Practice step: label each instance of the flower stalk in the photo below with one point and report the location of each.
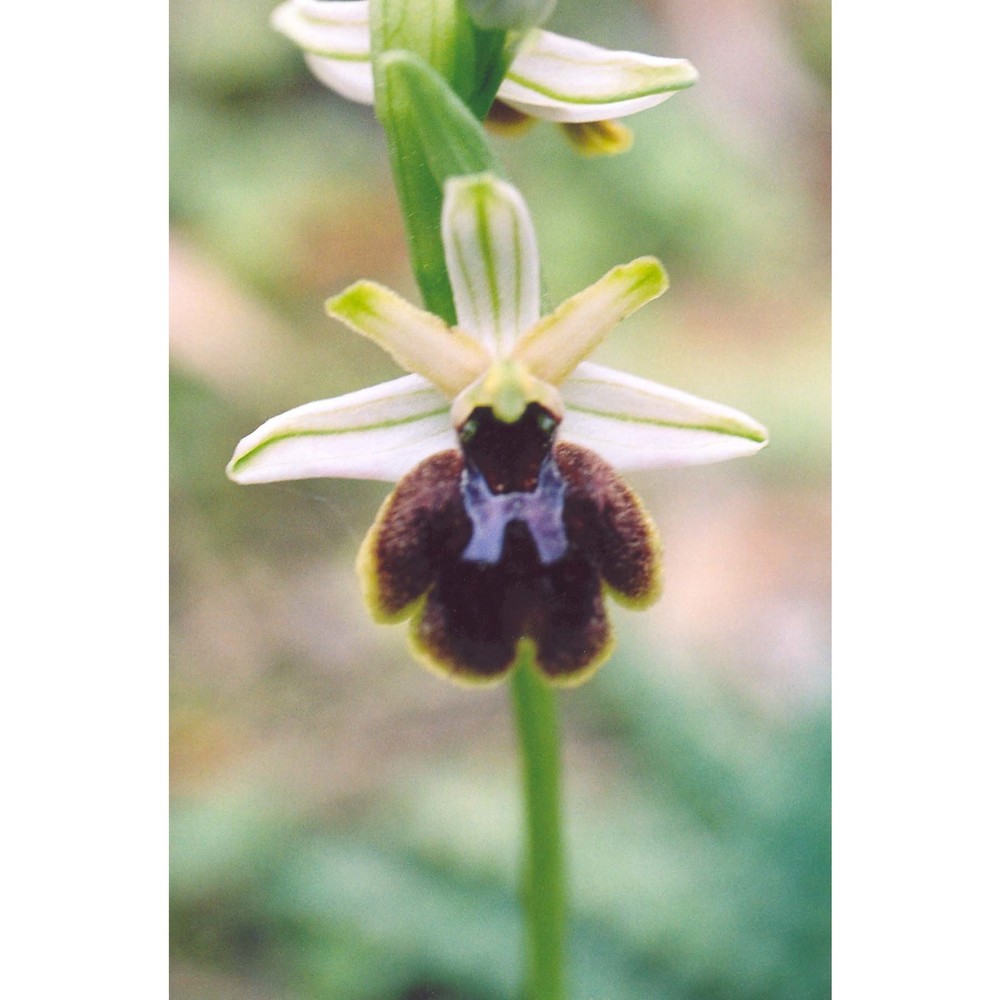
(543, 882)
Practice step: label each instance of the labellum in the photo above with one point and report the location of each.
(513, 539)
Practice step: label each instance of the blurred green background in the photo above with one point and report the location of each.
(344, 825)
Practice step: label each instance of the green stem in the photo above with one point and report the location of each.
(544, 885)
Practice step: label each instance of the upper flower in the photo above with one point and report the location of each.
(553, 77)
(514, 536)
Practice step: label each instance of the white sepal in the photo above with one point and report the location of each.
(563, 79)
(353, 80)
(376, 433)
(634, 423)
(326, 28)
(336, 40)
(492, 259)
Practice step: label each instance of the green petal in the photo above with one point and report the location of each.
(419, 341)
(634, 423)
(376, 433)
(556, 344)
(492, 259)
(565, 80)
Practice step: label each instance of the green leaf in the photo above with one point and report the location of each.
(432, 136)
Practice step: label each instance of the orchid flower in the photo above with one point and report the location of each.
(554, 78)
(509, 521)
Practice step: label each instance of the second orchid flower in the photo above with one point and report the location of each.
(580, 86)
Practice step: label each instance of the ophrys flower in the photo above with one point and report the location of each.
(509, 522)
(553, 77)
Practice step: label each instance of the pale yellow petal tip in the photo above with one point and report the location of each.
(600, 138)
(648, 276)
(417, 340)
(356, 301)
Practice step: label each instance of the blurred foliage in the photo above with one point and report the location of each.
(345, 826)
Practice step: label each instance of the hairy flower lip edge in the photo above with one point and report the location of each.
(394, 587)
(337, 53)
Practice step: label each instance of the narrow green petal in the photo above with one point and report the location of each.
(376, 433)
(557, 343)
(417, 340)
(634, 423)
(492, 259)
(566, 80)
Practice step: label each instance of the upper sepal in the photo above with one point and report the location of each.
(492, 258)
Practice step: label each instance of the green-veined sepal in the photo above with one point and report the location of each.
(376, 433)
(563, 79)
(492, 259)
(634, 423)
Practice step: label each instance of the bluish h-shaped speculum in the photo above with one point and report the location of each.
(541, 511)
